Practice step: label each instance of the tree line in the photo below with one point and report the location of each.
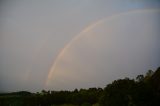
(144, 90)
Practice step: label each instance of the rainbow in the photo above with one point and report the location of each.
(90, 27)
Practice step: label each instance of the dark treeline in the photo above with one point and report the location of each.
(144, 90)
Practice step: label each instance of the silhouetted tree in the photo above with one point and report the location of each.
(144, 91)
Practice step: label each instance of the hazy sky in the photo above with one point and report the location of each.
(67, 44)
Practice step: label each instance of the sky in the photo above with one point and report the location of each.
(68, 44)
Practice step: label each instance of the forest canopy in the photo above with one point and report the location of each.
(144, 90)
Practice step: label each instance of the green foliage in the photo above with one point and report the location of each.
(126, 92)
(144, 91)
(118, 93)
(86, 104)
(140, 78)
(83, 97)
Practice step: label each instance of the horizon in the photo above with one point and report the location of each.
(64, 45)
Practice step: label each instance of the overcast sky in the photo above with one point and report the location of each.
(67, 44)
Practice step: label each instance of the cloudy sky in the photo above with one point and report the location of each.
(67, 44)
